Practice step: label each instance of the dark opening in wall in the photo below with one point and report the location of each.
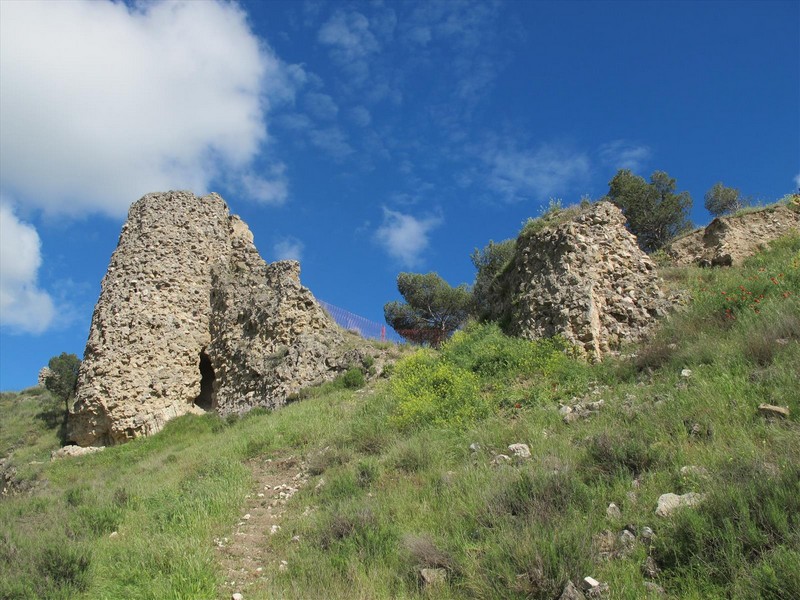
(205, 399)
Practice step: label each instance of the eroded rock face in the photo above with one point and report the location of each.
(585, 279)
(729, 240)
(190, 318)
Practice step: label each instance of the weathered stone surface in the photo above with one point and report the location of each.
(585, 279)
(729, 240)
(669, 503)
(190, 318)
(520, 450)
(770, 410)
(571, 593)
(69, 451)
(44, 373)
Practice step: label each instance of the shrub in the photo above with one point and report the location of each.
(353, 379)
(424, 553)
(610, 453)
(65, 566)
(431, 391)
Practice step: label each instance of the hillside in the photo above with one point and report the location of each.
(414, 487)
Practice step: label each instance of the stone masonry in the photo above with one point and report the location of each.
(584, 279)
(729, 240)
(190, 319)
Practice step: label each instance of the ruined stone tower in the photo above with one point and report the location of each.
(190, 319)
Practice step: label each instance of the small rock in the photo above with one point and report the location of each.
(295, 538)
(274, 529)
(113, 534)
(589, 583)
(283, 566)
(565, 410)
(604, 543)
(432, 577)
(571, 593)
(650, 568)
(686, 373)
(647, 534)
(520, 450)
(501, 459)
(571, 418)
(654, 589)
(669, 503)
(613, 511)
(246, 517)
(691, 470)
(474, 447)
(237, 596)
(70, 451)
(627, 538)
(770, 410)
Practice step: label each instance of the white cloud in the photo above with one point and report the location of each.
(332, 141)
(534, 174)
(350, 42)
(273, 189)
(797, 182)
(288, 248)
(102, 102)
(294, 121)
(23, 306)
(321, 106)
(360, 116)
(404, 236)
(623, 154)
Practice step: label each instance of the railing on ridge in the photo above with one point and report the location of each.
(364, 327)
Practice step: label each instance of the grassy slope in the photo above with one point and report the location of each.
(401, 492)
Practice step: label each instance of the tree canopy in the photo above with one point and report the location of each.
(432, 310)
(655, 213)
(721, 200)
(489, 262)
(63, 376)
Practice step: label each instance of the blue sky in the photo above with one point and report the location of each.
(364, 138)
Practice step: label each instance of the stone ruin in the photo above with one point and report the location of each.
(728, 241)
(191, 319)
(585, 279)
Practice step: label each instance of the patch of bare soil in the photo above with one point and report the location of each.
(245, 556)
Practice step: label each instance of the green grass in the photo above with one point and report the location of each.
(401, 494)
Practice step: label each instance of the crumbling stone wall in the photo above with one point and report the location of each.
(729, 240)
(584, 279)
(187, 286)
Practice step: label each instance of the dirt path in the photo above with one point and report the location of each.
(244, 555)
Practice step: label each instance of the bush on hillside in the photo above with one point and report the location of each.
(430, 391)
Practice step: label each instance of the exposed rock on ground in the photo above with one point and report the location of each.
(70, 451)
(729, 240)
(585, 279)
(190, 318)
(669, 503)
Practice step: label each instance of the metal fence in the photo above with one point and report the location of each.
(364, 327)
